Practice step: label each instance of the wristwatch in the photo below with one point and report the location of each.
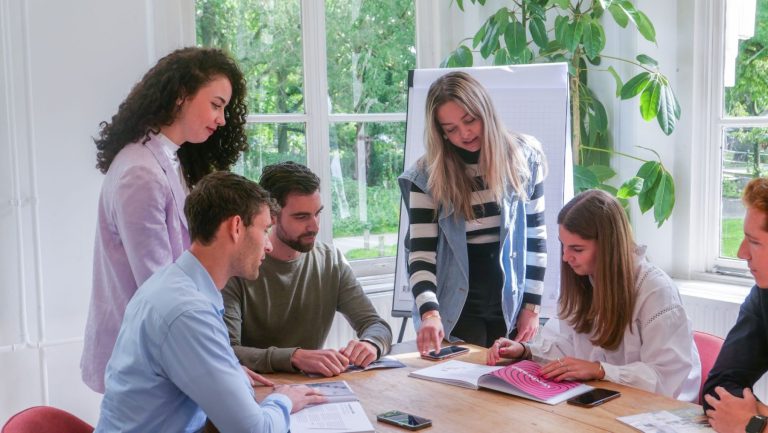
(756, 424)
(532, 307)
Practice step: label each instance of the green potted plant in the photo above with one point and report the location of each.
(571, 31)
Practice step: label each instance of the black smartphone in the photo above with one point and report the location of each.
(446, 352)
(404, 420)
(594, 398)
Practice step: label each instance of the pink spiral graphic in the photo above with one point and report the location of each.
(525, 376)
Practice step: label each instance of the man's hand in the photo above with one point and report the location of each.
(255, 378)
(300, 395)
(360, 353)
(327, 362)
(730, 414)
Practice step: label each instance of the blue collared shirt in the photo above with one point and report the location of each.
(172, 364)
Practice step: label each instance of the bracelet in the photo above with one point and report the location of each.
(526, 351)
(430, 314)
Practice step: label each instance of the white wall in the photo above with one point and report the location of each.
(64, 67)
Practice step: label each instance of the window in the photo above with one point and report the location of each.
(327, 87)
(739, 126)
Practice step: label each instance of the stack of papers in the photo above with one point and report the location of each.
(342, 413)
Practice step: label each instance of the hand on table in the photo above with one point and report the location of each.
(568, 368)
(300, 395)
(360, 353)
(255, 378)
(327, 362)
(730, 413)
(503, 348)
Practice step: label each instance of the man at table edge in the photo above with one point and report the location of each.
(728, 399)
(279, 321)
(172, 365)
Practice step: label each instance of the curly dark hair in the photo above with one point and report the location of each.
(152, 104)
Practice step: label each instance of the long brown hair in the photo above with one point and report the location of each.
(502, 162)
(604, 305)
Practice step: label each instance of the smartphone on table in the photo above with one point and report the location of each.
(594, 397)
(404, 420)
(445, 353)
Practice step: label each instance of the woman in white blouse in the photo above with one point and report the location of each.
(620, 317)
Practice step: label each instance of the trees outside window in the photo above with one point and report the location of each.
(340, 108)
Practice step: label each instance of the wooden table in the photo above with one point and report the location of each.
(461, 410)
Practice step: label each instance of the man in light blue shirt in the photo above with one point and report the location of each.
(172, 365)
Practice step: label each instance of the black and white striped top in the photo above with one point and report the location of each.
(422, 266)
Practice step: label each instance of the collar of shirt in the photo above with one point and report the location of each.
(195, 270)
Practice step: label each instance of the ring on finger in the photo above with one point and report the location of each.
(560, 361)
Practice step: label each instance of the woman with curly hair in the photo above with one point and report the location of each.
(183, 120)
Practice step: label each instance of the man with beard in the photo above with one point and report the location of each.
(279, 321)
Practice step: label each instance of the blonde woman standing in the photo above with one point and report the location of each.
(477, 239)
(620, 317)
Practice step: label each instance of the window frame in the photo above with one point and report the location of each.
(709, 130)
(318, 120)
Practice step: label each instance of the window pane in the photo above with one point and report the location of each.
(744, 158)
(271, 143)
(264, 36)
(746, 59)
(370, 50)
(366, 159)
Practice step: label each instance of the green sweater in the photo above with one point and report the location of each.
(291, 305)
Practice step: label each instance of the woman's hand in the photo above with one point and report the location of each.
(527, 325)
(567, 368)
(503, 348)
(430, 335)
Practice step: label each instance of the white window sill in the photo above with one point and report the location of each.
(716, 287)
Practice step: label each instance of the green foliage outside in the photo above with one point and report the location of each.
(546, 31)
(371, 253)
(730, 236)
(370, 48)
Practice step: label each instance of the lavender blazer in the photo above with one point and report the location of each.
(141, 228)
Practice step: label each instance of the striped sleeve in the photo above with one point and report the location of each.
(536, 241)
(422, 256)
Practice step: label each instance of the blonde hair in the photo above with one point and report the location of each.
(604, 305)
(502, 162)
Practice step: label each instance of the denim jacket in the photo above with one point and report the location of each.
(452, 262)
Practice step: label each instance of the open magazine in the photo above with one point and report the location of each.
(688, 420)
(521, 379)
(341, 413)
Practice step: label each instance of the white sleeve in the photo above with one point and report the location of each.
(666, 355)
(555, 340)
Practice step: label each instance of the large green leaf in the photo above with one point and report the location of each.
(583, 178)
(480, 35)
(664, 201)
(647, 60)
(460, 4)
(669, 109)
(561, 27)
(619, 15)
(515, 38)
(501, 57)
(573, 34)
(502, 20)
(635, 85)
(602, 172)
(610, 189)
(630, 188)
(538, 32)
(491, 40)
(650, 173)
(461, 57)
(644, 25)
(536, 11)
(649, 100)
(599, 116)
(616, 78)
(563, 4)
(594, 39)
